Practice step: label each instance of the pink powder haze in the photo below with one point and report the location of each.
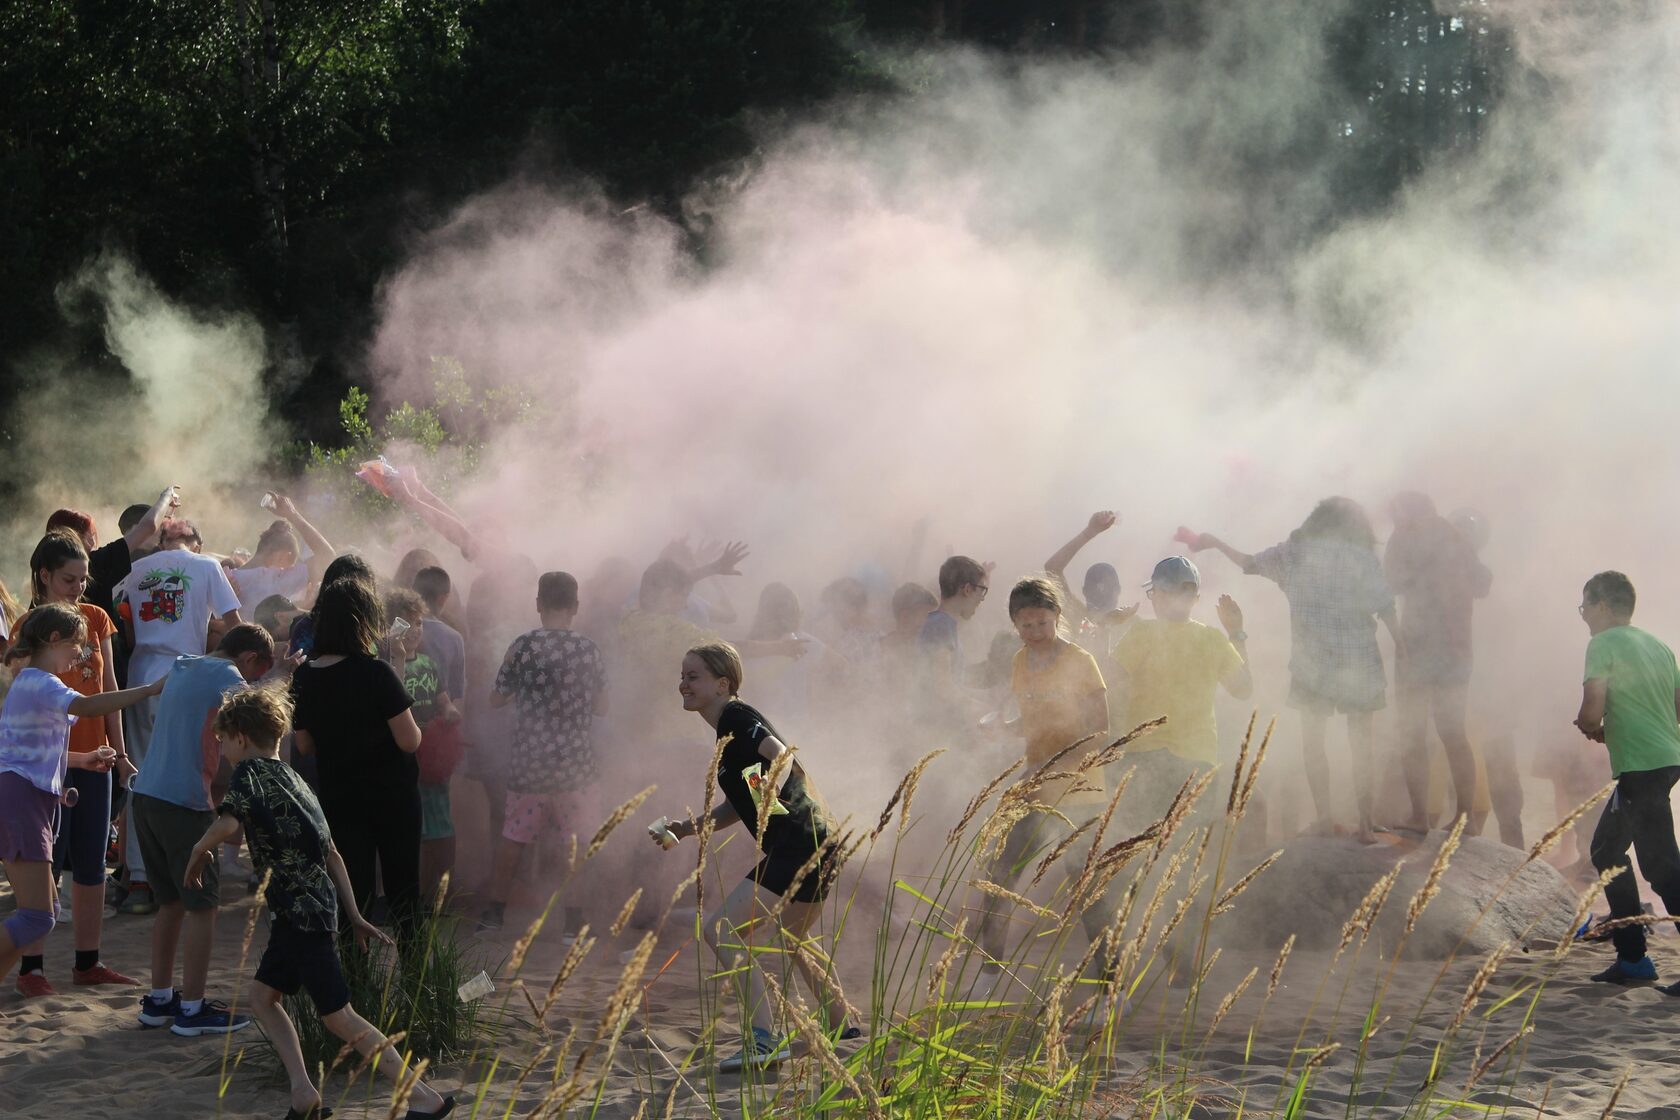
(1002, 303)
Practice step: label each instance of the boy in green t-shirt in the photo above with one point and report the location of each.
(1630, 698)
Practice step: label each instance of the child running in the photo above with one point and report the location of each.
(1062, 698)
(35, 752)
(287, 834)
(1329, 571)
(1630, 698)
(557, 681)
(792, 829)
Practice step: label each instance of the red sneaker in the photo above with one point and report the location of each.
(34, 984)
(99, 974)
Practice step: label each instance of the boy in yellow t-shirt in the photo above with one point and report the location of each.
(1170, 666)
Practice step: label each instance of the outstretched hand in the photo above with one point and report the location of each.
(729, 560)
(1230, 614)
(1102, 521)
(367, 933)
(1194, 541)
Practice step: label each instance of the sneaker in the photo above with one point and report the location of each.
(1641, 971)
(761, 1051)
(154, 1013)
(212, 1018)
(138, 902)
(32, 984)
(99, 974)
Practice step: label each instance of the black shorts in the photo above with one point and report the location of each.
(84, 829)
(304, 959)
(776, 871)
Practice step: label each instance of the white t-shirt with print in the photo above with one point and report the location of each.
(172, 596)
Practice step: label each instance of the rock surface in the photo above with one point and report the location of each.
(1319, 882)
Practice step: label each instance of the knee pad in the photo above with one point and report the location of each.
(25, 927)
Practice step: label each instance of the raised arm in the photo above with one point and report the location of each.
(147, 527)
(1239, 682)
(434, 511)
(321, 551)
(1101, 522)
(1205, 541)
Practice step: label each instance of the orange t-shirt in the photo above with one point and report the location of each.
(88, 678)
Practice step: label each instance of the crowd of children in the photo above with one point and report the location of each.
(167, 704)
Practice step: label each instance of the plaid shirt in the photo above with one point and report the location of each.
(1335, 591)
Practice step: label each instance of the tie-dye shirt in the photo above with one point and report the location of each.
(35, 729)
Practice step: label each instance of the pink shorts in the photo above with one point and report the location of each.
(530, 815)
(26, 820)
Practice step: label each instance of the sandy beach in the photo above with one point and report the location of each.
(81, 1053)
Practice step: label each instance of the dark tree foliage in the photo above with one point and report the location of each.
(274, 155)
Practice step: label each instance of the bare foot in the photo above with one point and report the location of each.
(1322, 827)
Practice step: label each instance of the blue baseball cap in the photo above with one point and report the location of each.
(1174, 572)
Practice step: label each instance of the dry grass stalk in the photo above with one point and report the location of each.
(1159, 898)
(980, 799)
(1549, 841)
(704, 823)
(942, 966)
(442, 894)
(535, 1012)
(1231, 999)
(1242, 759)
(1207, 969)
(1254, 770)
(405, 1089)
(1058, 851)
(1188, 794)
(1616, 1095)
(542, 1056)
(834, 852)
(1432, 883)
(1320, 1056)
(1241, 885)
(617, 817)
(516, 960)
(905, 792)
(1277, 966)
(1055, 1042)
(620, 1003)
(568, 965)
(770, 793)
(986, 886)
(1111, 753)
(624, 913)
(1365, 914)
(1478, 982)
(1583, 907)
(823, 1047)
(1180, 910)
(1492, 1059)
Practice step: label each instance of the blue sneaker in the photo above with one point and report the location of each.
(1641, 971)
(212, 1018)
(761, 1052)
(154, 1013)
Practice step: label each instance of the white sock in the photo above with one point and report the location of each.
(162, 995)
(191, 1006)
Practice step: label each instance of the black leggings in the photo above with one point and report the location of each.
(1639, 817)
(84, 829)
(377, 831)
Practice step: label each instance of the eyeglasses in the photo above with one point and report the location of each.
(983, 588)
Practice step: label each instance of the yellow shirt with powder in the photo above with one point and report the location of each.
(1172, 669)
(1053, 701)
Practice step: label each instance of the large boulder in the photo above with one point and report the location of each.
(1488, 895)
